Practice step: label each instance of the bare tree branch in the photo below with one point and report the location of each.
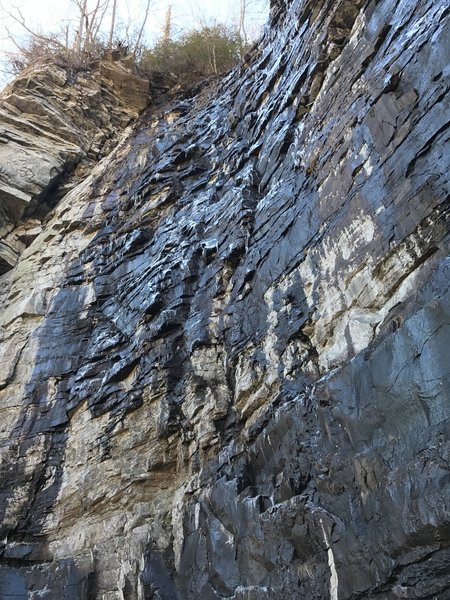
(141, 31)
(113, 24)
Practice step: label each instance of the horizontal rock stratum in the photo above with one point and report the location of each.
(224, 346)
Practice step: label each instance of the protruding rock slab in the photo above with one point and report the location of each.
(131, 89)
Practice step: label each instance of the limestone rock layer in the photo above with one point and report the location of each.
(224, 358)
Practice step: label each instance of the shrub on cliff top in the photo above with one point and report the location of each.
(50, 49)
(208, 51)
(201, 53)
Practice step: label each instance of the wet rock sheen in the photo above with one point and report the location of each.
(224, 345)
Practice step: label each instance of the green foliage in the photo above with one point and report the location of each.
(200, 53)
(95, 33)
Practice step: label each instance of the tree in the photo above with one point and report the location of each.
(248, 10)
(167, 32)
(96, 26)
(242, 26)
(141, 30)
(113, 24)
(93, 30)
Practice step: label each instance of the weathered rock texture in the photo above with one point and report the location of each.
(53, 125)
(225, 361)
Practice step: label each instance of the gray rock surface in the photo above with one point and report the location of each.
(224, 357)
(54, 125)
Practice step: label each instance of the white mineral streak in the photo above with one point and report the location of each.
(270, 341)
(353, 304)
(334, 576)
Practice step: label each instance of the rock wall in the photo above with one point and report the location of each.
(55, 126)
(225, 360)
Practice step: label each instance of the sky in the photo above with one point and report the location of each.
(45, 16)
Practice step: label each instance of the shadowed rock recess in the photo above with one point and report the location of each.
(224, 360)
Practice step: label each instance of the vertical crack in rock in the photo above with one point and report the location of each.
(334, 581)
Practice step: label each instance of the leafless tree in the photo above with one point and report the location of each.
(141, 30)
(113, 24)
(167, 31)
(243, 4)
(90, 23)
(247, 9)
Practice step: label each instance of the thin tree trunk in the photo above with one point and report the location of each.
(96, 31)
(214, 58)
(242, 30)
(141, 31)
(113, 24)
(79, 40)
(92, 25)
(167, 26)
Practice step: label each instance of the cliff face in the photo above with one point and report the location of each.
(225, 362)
(55, 126)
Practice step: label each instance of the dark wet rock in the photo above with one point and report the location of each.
(225, 367)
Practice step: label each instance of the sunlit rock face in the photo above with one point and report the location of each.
(224, 357)
(55, 124)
